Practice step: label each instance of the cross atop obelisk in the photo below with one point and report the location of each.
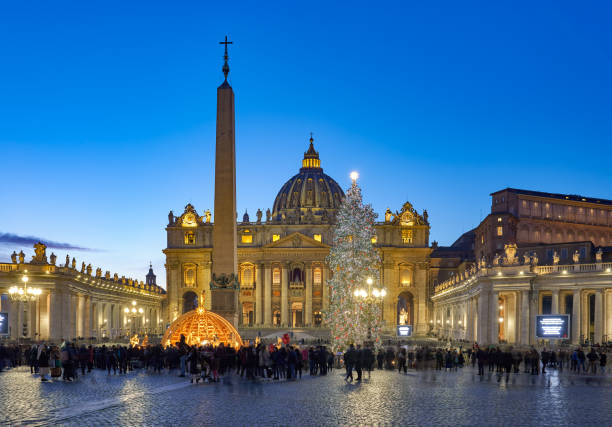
(225, 58)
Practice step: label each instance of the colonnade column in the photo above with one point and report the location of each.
(308, 297)
(576, 305)
(285, 295)
(494, 318)
(555, 301)
(525, 317)
(325, 288)
(258, 294)
(483, 318)
(598, 316)
(267, 295)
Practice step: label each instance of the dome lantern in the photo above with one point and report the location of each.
(311, 196)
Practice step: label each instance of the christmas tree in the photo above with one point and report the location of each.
(352, 261)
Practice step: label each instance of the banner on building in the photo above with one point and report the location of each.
(404, 330)
(552, 326)
(4, 324)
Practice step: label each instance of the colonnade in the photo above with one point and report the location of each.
(56, 315)
(494, 316)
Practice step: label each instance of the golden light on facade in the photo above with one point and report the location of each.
(201, 326)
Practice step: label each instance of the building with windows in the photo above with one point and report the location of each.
(531, 217)
(45, 301)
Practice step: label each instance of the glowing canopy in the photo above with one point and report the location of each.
(202, 327)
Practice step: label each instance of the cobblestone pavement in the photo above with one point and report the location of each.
(418, 398)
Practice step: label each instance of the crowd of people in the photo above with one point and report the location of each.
(277, 361)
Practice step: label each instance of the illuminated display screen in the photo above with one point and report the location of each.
(404, 330)
(4, 324)
(554, 326)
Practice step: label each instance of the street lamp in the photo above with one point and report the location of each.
(133, 313)
(370, 296)
(24, 293)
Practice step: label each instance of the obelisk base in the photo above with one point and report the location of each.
(224, 302)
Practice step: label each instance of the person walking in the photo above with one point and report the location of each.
(349, 360)
(593, 358)
(603, 359)
(43, 361)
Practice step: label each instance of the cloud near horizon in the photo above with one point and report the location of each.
(14, 239)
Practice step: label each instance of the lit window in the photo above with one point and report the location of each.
(247, 238)
(407, 236)
(499, 219)
(316, 276)
(247, 275)
(275, 237)
(482, 239)
(276, 273)
(500, 231)
(317, 237)
(190, 275)
(189, 238)
(374, 240)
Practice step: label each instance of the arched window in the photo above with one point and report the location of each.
(276, 319)
(190, 301)
(189, 275)
(247, 274)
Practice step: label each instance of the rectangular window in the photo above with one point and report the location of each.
(317, 237)
(316, 276)
(189, 238)
(276, 279)
(275, 237)
(500, 231)
(406, 236)
(247, 238)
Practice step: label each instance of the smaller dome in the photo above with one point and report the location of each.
(202, 327)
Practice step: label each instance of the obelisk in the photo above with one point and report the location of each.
(224, 284)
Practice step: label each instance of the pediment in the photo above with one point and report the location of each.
(296, 241)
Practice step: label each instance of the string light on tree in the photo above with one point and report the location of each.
(353, 261)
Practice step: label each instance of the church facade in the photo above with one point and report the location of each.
(282, 271)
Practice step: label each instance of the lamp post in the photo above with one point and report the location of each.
(23, 294)
(132, 314)
(370, 296)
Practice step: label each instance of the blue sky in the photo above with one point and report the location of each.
(107, 110)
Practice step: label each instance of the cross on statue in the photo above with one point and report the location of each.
(225, 58)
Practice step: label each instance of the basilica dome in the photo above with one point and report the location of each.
(309, 193)
(202, 327)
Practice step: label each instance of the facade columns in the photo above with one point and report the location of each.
(285, 295)
(483, 318)
(325, 288)
(267, 295)
(534, 309)
(494, 318)
(598, 316)
(258, 294)
(308, 297)
(555, 301)
(525, 318)
(576, 316)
